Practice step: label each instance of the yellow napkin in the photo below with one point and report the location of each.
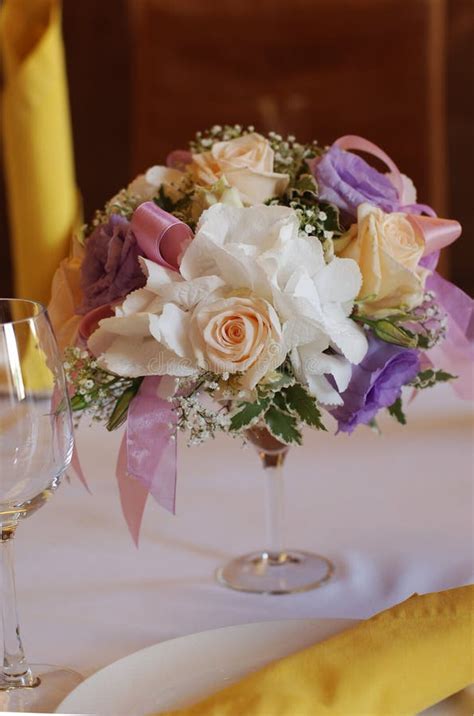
(397, 663)
(42, 196)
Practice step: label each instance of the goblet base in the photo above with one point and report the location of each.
(276, 573)
(51, 686)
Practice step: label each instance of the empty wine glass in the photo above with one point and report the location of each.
(36, 442)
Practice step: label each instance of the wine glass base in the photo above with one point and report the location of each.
(284, 573)
(53, 685)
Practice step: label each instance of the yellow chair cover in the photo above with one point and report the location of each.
(39, 167)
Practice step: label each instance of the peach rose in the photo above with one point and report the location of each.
(237, 335)
(246, 163)
(388, 249)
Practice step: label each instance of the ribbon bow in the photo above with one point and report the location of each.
(161, 236)
(437, 233)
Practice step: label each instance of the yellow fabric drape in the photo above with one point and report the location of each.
(39, 166)
(395, 664)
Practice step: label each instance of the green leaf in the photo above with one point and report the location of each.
(163, 200)
(282, 426)
(78, 402)
(279, 400)
(304, 406)
(306, 184)
(332, 223)
(119, 413)
(396, 411)
(247, 414)
(276, 382)
(390, 333)
(428, 378)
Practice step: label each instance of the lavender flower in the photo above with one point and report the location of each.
(375, 383)
(346, 180)
(110, 269)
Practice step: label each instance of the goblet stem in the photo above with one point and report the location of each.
(274, 507)
(16, 672)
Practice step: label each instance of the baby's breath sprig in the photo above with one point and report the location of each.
(94, 390)
(200, 421)
(124, 203)
(204, 140)
(429, 321)
(291, 157)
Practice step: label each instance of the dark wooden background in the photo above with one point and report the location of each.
(145, 74)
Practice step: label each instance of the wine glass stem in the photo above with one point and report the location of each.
(274, 509)
(16, 671)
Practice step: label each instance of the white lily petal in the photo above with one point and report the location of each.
(339, 281)
(171, 329)
(188, 293)
(345, 333)
(299, 331)
(135, 325)
(140, 301)
(157, 276)
(323, 391)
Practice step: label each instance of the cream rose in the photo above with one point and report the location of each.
(246, 163)
(388, 249)
(237, 335)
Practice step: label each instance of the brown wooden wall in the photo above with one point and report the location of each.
(145, 74)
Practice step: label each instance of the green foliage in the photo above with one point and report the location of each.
(304, 188)
(304, 405)
(428, 378)
(332, 222)
(182, 208)
(247, 414)
(387, 330)
(282, 426)
(120, 411)
(396, 411)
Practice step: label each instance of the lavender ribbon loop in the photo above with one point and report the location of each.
(456, 353)
(354, 142)
(161, 236)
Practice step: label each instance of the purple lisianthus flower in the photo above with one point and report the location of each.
(346, 180)
(375, 383)
(110, 269)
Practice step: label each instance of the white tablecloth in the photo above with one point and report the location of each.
(394, 513)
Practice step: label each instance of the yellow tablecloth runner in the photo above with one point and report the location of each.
(397, 663)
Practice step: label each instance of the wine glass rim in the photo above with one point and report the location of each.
(41, 310)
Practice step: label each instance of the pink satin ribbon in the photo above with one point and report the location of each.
(438, 233)
(77, 467)
(133, 495)
(147, 458)
(161, 236)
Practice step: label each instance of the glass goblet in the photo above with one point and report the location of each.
(274, 569)
(36, 442)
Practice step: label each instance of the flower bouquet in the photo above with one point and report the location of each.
(251, 286)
